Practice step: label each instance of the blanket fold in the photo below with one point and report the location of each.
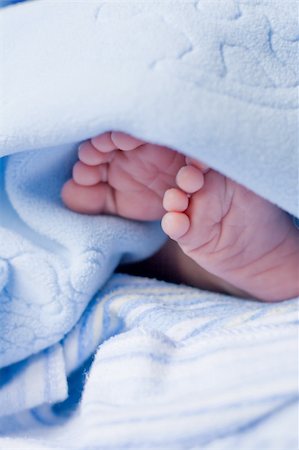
(54, 260)
(172, 374)
(216, 80)
(206, 78)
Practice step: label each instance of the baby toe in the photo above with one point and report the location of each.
(84, 199)
(175, 224)
(124, 141)
(103, 142)
(190, 179)
(89, 155)
(87, 175)
(175, 200)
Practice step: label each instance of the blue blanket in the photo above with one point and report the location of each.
(177, 367)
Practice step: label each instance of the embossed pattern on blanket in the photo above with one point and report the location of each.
(222, 51)
(207, 77)
(217, 80)
(53, 261)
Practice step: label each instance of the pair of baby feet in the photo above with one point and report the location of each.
(225, 228)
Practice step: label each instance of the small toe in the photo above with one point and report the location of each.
(190, 179)
(88, 175)
(124, 141)
(175, 224)
(103, 142)
(89, 155)
(175, 200)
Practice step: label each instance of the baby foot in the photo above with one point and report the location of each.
(233, 233)
(121, 175)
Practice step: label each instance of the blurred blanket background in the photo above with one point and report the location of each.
(89, 359)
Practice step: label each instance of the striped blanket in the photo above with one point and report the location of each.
(177, 368)
(90, 359)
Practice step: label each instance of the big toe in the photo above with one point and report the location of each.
(84, 199)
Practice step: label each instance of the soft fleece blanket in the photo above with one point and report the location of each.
(215, 79)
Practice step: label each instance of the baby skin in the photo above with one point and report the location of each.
(248, 244)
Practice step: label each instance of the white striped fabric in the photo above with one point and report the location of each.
(176, 368)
